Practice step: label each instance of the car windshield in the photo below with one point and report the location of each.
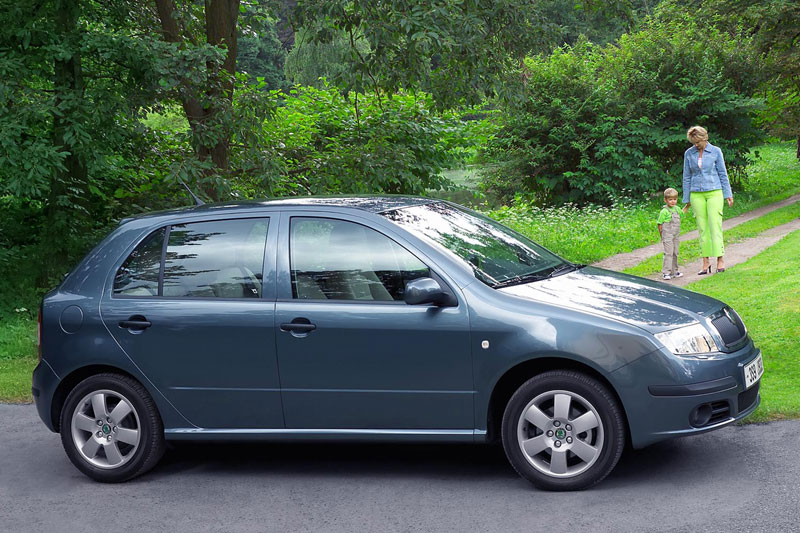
(497, 255)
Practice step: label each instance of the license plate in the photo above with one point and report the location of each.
(753, 372)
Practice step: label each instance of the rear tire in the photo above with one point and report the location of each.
(563, 430)
(111, 429)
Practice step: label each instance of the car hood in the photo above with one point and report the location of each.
(648, 304)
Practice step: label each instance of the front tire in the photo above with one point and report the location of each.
(563, 430)
(111, 429)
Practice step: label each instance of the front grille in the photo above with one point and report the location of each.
(748, 397)
(719, 411)
(730, 327)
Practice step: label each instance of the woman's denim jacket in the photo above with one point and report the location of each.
(711, 177)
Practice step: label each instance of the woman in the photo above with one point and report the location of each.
(705, 185)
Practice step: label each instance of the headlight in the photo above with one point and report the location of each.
(689, 340)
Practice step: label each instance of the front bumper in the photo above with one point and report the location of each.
(660, 392)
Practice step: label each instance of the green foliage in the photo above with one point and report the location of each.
(78, 75)
(453, 49)
(596, 122)
(323, 143)
(598, 22)
(310, 63)
(773, 27)
(261, 55)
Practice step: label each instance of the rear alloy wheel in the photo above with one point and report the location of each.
(111, 429)
(563, 430)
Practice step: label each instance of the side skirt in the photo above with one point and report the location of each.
(387, 435)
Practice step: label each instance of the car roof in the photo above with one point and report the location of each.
(370, 203)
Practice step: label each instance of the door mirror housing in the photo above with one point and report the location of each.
(427, 291)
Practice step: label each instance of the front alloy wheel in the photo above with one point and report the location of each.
(563, 430)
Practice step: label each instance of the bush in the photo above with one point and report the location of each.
(596, 122)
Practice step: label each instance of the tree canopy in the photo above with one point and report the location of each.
(105, 106)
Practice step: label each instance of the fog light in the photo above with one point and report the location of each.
(700, 415)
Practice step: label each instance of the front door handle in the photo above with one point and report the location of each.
(299, 325)
(136, 323)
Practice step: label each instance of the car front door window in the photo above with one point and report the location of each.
(341, 260)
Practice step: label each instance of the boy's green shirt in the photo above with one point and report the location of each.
(665, 215)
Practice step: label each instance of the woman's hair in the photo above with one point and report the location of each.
(670, 193)
(697, 133)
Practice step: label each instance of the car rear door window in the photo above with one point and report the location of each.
(340, 260)
(216, 259)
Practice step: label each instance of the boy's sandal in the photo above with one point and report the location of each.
(705, 271)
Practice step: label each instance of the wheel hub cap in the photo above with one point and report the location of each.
(106, 430)
(560, 433)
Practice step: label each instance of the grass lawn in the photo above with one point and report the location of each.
(690, 249)
(765, 291)
(17, 357)
(590, 233)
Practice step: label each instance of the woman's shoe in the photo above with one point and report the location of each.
(721, 269)
(705, 271)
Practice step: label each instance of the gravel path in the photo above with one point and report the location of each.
(620, 262)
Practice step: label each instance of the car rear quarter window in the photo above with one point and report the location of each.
(216, 259)
(340, 260)
(138, 275)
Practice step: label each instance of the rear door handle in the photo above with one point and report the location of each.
(299, 325)
(298, 328)
(136, 322)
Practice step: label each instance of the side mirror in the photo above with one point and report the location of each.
(427, 291)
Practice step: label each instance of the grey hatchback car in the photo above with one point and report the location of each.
(375, 318)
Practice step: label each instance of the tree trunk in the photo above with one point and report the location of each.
(798, 147)
(68, 89)
(221, 17)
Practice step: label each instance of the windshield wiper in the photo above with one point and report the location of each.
(562, 269)
(519, 280)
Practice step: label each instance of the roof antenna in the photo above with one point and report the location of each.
(197, 201)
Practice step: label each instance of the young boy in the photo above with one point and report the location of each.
(669, 227)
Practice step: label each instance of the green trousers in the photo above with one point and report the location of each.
(707, 207)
